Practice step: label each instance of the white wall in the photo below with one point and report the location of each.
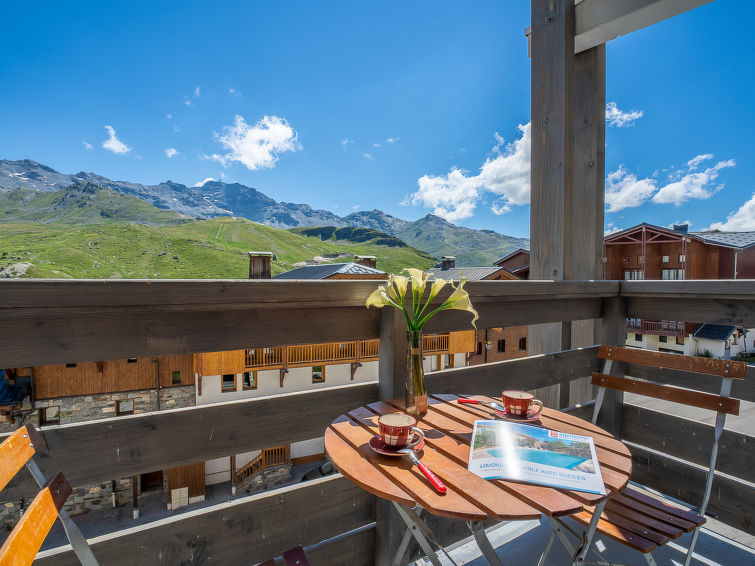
(217, 471)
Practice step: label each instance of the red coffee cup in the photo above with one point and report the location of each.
(398, 430)
(518, 403)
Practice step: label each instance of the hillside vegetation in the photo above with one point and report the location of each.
(203, 249)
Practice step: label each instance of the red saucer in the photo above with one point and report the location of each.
(531, 416)
(379, 446)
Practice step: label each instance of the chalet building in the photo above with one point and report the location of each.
(490, 344)
(517, 262)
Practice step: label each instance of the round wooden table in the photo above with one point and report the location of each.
(448, 431)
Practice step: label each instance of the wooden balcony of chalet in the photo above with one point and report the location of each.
(662, 327)
(48, 322)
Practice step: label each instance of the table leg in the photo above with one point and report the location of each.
(484, 543)
(579, 556)
(422, 534)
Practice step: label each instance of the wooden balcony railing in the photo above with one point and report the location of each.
(268, 458)
(48, 322)
(435, 343)
(662, 327)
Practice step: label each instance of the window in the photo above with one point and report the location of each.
(318, 374)
(663, 339)
(49, 415)
(638, 337)
(434, 363)
(479, 348)
(249, 380)
(229, 382)
(523, 343)
(125, 407)
(682, 258)
(176, 377)
(70, 365)
(131, 360)
(502, 345)
(633, 274)
(448, 361)
(680, 340)
(672, 274)
(665, 259)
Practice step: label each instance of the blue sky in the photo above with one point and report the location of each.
(409, 107)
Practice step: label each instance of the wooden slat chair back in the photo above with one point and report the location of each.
(633, 518)
(26, 538)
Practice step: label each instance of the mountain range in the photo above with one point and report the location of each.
(431, 233)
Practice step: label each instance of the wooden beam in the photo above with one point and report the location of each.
(524, 373)
(27, 537)
(247, 530)
(741, 388)
(134, 444)
(713, 311)
(15, 451)
(599, 21)
(689, 440)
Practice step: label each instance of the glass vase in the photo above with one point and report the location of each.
(416, 394)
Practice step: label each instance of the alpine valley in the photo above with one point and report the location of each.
(43, 201)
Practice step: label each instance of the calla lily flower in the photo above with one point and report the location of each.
(393, 293)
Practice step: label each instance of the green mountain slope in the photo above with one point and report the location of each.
(214, 248)
(81, 203)
(471, 247)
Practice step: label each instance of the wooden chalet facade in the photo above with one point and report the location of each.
(652, 252)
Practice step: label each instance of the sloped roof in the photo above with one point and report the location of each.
(715, 331)
(512, 254)
(733, 239)
(327, 270)
(471, 273)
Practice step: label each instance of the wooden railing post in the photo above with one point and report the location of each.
(392, 371)
(614, 333)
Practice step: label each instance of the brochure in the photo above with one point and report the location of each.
(513, 451)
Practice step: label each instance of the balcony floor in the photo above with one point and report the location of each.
(712, 550)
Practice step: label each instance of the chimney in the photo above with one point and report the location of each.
(366, 260)
(448, 262)
(681, 228)
(259, 265)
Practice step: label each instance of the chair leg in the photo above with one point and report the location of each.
(691, 548)
(649, 559)
(547, 550)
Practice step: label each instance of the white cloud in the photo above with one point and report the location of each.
(169, 116)
(196, 91)
(171, 152)
(356, 207)
(611, 229)
(257, 146)
(619, 118)
(114, 144)
(376, 145)
(625, 190)
(234, 91)
(694, 163)
(741, 220)
(345, 143)
(187, 102)
(202, 182)
(369, 156)
(88, 146)
(693, 184)
(507, 176)
(392, 140)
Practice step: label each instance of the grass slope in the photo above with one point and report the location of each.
(83, 203)
(214, 248)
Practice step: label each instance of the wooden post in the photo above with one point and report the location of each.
(567, 172)
(392, 371)
(614, 334)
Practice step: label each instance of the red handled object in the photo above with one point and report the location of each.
(469, 401)
(435, 480)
